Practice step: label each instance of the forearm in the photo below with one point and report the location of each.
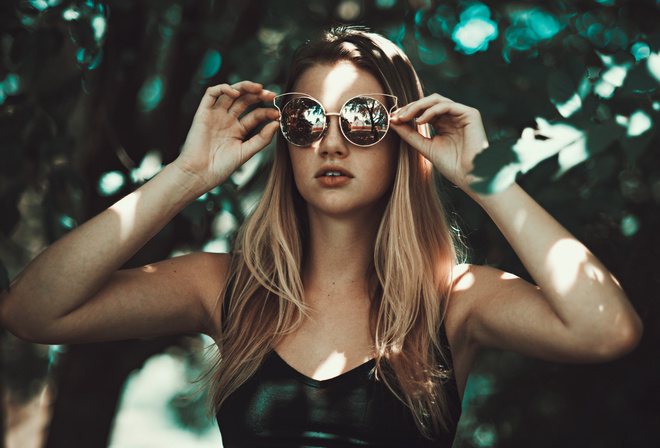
(75, 267)
(581, 291)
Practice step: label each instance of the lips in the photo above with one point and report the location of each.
(333, 171)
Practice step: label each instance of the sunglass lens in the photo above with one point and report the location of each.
(303, 121)
(364, 121)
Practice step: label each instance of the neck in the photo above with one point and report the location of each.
(339, 251)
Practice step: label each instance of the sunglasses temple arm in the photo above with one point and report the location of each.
(396, 104)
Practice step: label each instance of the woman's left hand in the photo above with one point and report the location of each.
(460, 135)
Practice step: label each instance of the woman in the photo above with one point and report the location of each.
(342, 317)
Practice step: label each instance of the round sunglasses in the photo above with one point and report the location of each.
(363, 120)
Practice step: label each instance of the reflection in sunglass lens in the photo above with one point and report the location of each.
(364, 121)
(303, 121)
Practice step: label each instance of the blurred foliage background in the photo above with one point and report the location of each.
(96, 96)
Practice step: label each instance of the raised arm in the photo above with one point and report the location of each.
(577, 313)
(73, 291)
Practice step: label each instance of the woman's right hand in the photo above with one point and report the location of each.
(215, 146)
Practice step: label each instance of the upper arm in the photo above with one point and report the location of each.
(501, 310)
(174, 296)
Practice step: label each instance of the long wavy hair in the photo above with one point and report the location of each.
(410, 279)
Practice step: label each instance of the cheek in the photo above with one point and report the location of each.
(298, 165)
(390, 161)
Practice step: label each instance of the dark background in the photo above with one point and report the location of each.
(89, 88)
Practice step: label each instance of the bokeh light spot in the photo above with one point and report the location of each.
(11, 84)
(544, 25)
(473, 36)
(431, 51)
(99, 25)
(629, 225)
(110, 183)
(67, 222)
(474, 10)
(42, 5)
(604, 89)
(218, 245)
(150, 166)
(224, 224)
(570, 107)
(89, 58)
(653, 62)
(485, 435)
(640, 50)
(475, 29)
(151, 93)
(70, 14)
(349, 10)
(385, 4)
(211, 64)
(639, 123)
(442, 23)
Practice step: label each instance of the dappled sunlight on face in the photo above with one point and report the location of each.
(334, 87)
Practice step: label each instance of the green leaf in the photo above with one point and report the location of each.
(498, 155)
(635, 146)
(601, 136)
(561, 87)
(639, 81)
(496, 167)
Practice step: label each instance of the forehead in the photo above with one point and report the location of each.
(334, 84)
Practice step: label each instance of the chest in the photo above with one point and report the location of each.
(329, 342)
(279, 406)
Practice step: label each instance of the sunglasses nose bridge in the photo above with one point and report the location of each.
(333, 140)
(327, 121)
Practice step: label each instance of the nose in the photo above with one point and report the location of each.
(333, 142)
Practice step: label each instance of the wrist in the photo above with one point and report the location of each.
(488, 201)
(190, 182)
(187, 184)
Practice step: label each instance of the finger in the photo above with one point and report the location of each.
(244, 101)
(261, 140)
(225, 94)
(214, 93)
(258, 116)
(412, 137)
(248, 86)
(448, 108)
(414, 109)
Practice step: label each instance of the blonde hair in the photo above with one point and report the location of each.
(414, 256)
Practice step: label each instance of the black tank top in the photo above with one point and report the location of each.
(280, 407)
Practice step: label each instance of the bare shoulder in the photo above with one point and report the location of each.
(479, 290)
(209, 271)
(475, 284)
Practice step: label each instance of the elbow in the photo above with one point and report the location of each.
(622, 339)
(631, 335)
(20, 322)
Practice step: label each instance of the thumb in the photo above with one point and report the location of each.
(261, 140)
